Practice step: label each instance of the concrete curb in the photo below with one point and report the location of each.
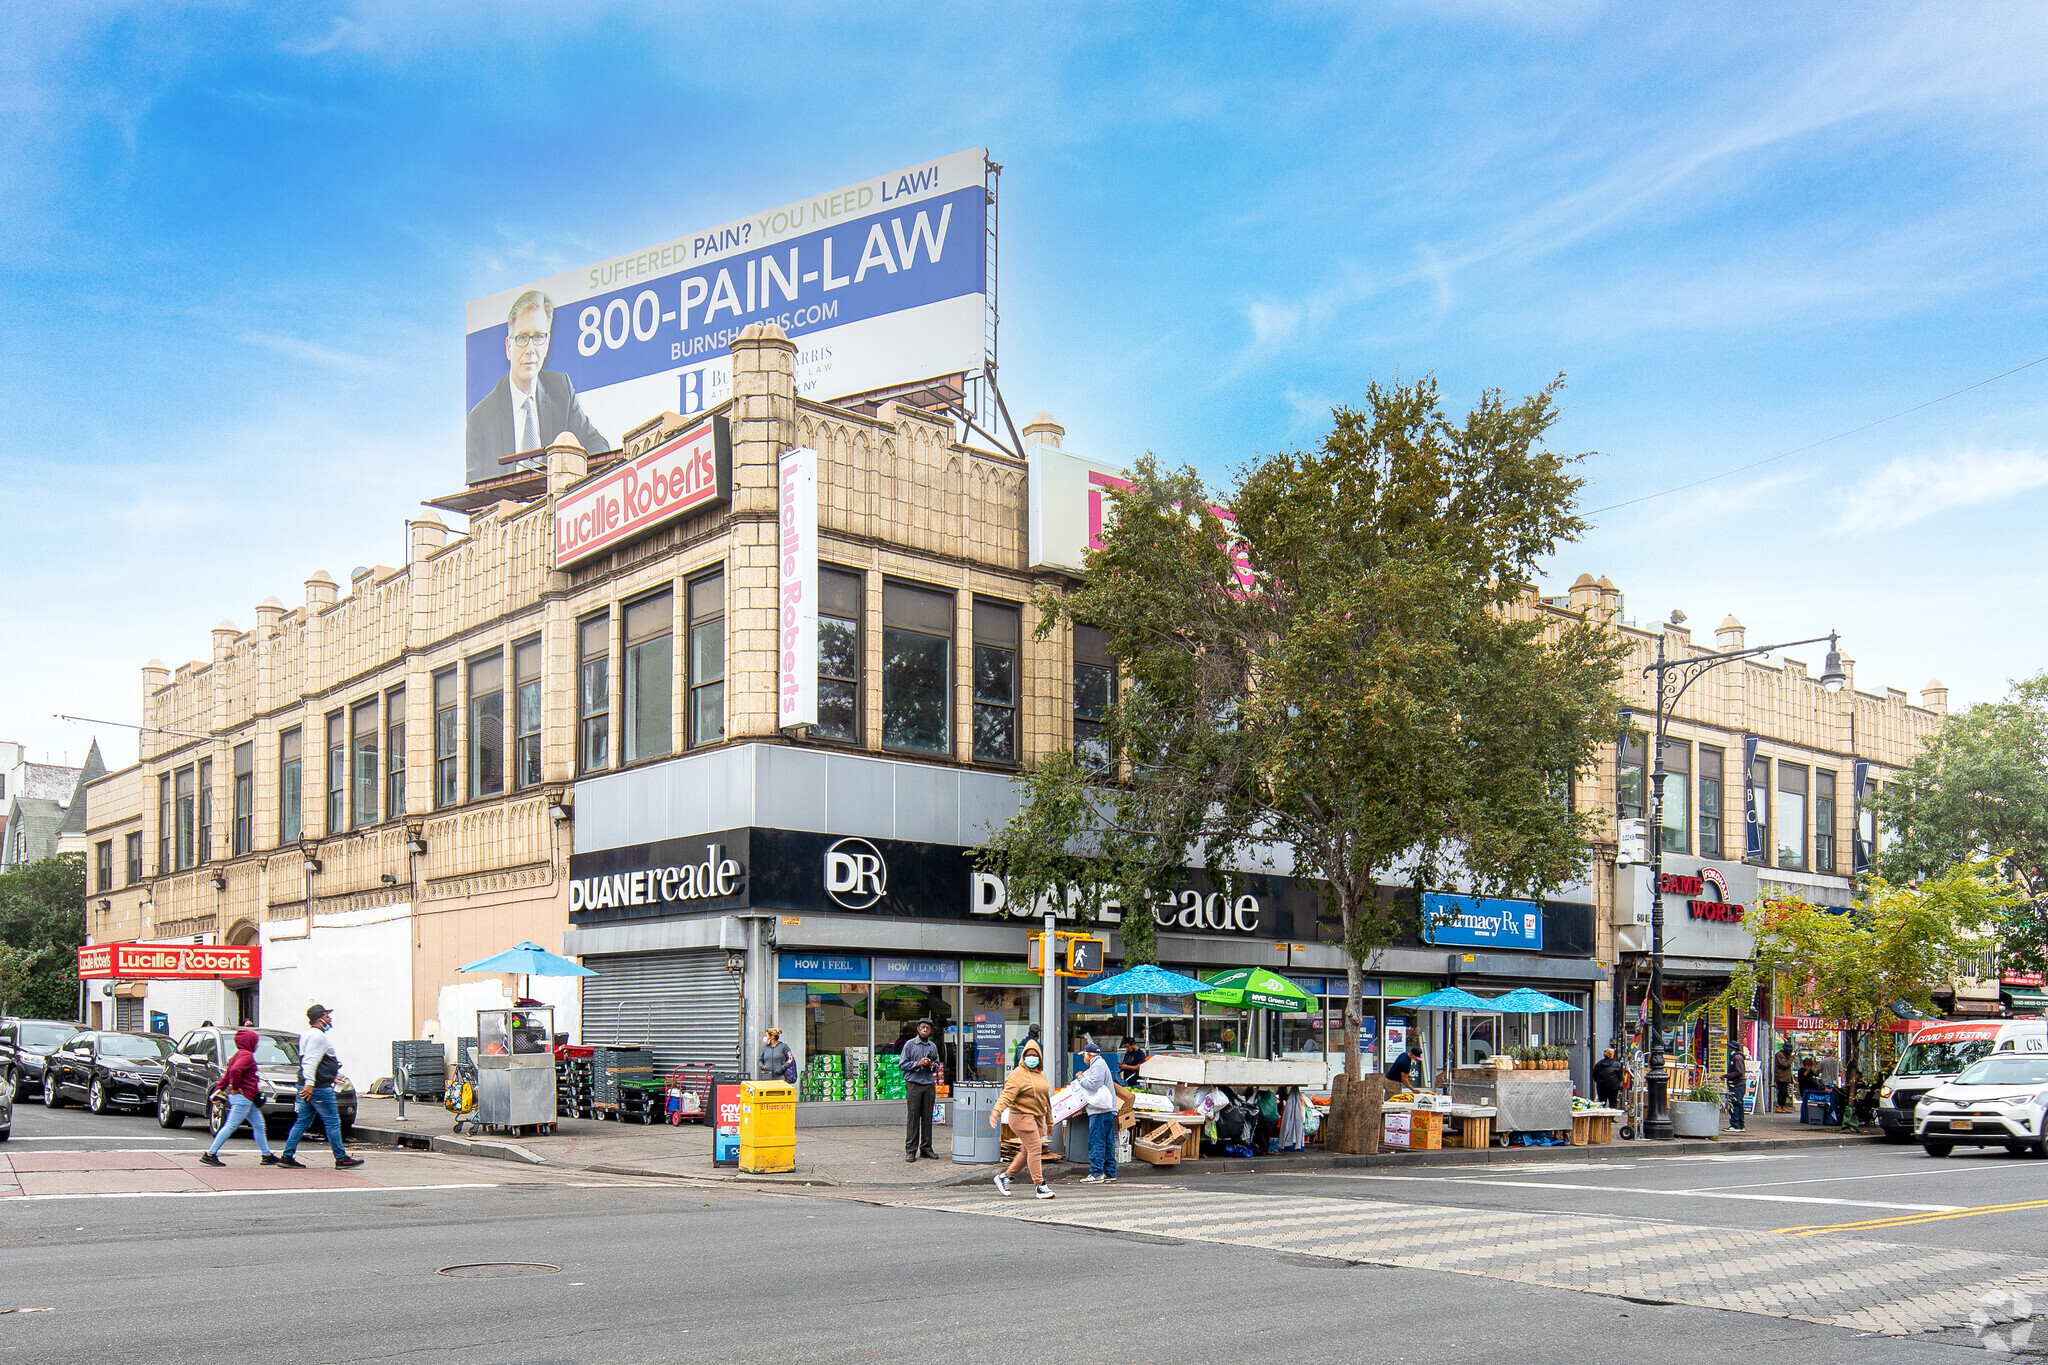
(457, 1146)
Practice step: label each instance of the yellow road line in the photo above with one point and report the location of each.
(1909, 1220)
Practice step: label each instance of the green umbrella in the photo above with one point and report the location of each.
(1256, 988)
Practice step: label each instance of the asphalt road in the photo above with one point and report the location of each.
(37, 1127)
(675, 1272)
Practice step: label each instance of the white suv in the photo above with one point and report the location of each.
(2000, 1101)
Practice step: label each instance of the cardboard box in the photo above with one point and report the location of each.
(1156, 1153)
(1425, 1131)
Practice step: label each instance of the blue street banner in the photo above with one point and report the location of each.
(878, 283)
(1471, 922)
(1750, 822)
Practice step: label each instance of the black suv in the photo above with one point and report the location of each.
(203, 1054)
(106, 1069)
(24, 1043)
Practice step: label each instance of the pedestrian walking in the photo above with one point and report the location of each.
(319, 1069)
(1781, 1076)
(1027, 1102)
(1097, 1089)
(922, 1072)
(240, 1084)
(1738, 1086)
(778, 1063)
(1607, 1073)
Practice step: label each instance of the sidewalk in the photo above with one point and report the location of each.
(857, 1157)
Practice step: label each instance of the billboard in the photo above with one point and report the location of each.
(881, 282)
(1071, 502)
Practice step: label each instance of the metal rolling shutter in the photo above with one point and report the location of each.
(128, 1014)
(686, 1006)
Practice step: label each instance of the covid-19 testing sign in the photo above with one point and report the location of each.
(879, 283)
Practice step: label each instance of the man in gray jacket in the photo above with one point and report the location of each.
(922, 1072)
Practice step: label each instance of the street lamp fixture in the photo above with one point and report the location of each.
(1684, 673)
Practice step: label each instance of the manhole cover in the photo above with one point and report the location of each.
(499, 1270)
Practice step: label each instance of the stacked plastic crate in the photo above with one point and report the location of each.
(609, 1067)
(419, 1067)
(575, 1096)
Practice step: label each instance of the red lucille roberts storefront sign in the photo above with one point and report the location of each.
(168, 962)
(679, 476)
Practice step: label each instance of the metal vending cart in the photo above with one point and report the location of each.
(515, 1071)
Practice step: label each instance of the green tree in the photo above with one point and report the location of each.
(1896, 945)
(1366, 694)
(42, 922)
(1980, 788)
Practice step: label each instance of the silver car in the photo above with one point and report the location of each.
(2001, 1101)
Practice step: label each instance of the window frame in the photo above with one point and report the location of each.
(186, 812)
(1677, 782)
(394, 754)
(1824, 851)
(103, 865)
(447, 737)
(856, 580)
(202, 843)
(244, 805)
(702, 692)
(134, 859)
(593, 693)
(1097, 661)
(1711, 828)
(166, 827)
(1632, 755)
(636, 710)
(1803, 855)
(526, 744)
(291, 785)
(365, 778)
(991, 642)
(909, 591)
(337, 772)
(479, 737)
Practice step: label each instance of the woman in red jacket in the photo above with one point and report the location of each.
(244, 1091)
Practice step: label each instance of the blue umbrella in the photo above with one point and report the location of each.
(1526, 1001)
(1146, 979)
(529, 959)
(1450, 998)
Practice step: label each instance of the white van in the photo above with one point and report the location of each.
(1939, 1051)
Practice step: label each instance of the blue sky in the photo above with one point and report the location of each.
(236, 241)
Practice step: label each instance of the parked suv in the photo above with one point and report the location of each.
(203, 1054)
(24, 1044)
(106, 1069)
(1941, 1051)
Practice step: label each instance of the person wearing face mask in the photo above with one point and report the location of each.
(318, 1070)
(1027, 1099)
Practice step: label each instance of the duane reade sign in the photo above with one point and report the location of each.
(880, 282)
(681, 475)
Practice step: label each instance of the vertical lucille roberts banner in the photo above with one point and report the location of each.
(797, 680)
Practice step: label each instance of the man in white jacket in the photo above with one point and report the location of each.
(1098, 1092)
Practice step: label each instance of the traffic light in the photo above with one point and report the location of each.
(1084, 956)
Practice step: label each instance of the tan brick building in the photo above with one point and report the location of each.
(476, 747)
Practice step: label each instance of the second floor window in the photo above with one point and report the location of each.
(290, 787)
(134, 859)
(1823, 820)
(839, 617)
(707, 659)
(1792, 816)
(487, 724)
(245, 797)
(337, 773)
(526, 713)
(593, 694)
(394, 753)
(1094, 694)
(369, 774)
(187, 817)
(647, 679)
(166, 827)
(997, 637)
(103, 865)
(1711, 760)
(205, 841)
(445, 747)
(1677, 782)
(917, 669)
(1631, 782)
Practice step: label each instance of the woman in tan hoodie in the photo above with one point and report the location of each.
(1027, 1100)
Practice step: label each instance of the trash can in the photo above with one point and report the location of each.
(767, 1127)
(974, 1142)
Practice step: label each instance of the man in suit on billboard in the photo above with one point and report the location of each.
(530, 406)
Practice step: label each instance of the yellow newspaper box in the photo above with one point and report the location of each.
(767, 1127)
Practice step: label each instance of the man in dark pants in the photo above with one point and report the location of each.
(1738, 1083)
(921, 1075)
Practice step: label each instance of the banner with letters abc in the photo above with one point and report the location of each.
(882, 282)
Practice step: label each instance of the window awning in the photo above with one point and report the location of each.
(2020, 1000)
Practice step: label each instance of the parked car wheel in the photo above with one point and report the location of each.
(96, 1096)
(53, 1097)
(1937, 1148)
(167, 1115)
(216, 1115)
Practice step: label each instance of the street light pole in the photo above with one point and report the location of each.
(1657, 1107)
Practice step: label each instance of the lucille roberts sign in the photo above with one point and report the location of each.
(168, 962)
(683, 474)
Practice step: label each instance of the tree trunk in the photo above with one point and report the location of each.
(1355, 1115)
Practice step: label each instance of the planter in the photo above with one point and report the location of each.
(1695, 1119)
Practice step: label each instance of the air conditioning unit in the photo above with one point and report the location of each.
(1634, 847)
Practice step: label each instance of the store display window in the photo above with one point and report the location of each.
(995, 1019)
(831, 1035)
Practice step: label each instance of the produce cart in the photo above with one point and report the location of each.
(515, 1071)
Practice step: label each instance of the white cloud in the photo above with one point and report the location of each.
(1910, 490)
